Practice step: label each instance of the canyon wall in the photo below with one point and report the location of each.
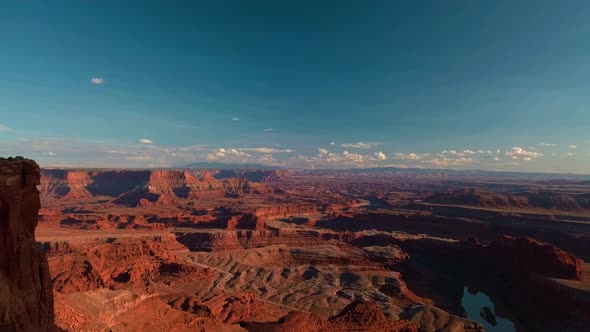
(543, 200)
(26, 298)
(133, 187)
(245, 239)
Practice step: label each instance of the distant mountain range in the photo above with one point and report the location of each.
(226, 166)
(377, 171)
(413, 172)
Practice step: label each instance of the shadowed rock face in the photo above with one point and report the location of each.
(532, 255)
(357, 316)
(137, 187)
(26, 298)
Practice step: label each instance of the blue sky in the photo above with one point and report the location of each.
(499, 85)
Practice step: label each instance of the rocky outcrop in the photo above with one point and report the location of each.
(235, 308)
(117, 263)
(430, 319)
(388, 255)
(531, 255)
(357, 316)
(360, 312)
(26, 298)
(243, 239)
(246, 221)
(230, 308)
(284, 211)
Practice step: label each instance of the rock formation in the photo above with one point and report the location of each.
(139, 187)
(117, 263)
(543, 200)
(531, 255)
(26, 298)
(357, 316)
(324, 251)
(430, 319)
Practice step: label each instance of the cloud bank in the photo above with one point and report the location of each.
(144, 152)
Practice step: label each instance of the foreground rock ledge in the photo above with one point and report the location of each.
(26, 298)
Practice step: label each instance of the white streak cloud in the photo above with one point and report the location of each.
(361, 145)
(145, 141)
(97, 80)
(266, 150)
(138, 158)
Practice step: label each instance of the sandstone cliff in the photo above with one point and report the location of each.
(26, 298)
(539, 200)
(146, 188)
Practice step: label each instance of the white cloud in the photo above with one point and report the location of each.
(198, 147)
(267, 159)
(75, 153)
(546, 144)
(448, 158)
(81, 153)
(346, 158)
(332, 143)
(519, 153)
(4, 128)
(411, 156)
(138, 158)
(97, 80)
(116, 151)
(359, 158)
(266, 150)
(145, 141)
(267, 129)
(235, 119)
(380, 155)
(222, 153)
(573, 146)
(361, 145)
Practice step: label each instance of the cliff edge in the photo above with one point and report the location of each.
(26, 298)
